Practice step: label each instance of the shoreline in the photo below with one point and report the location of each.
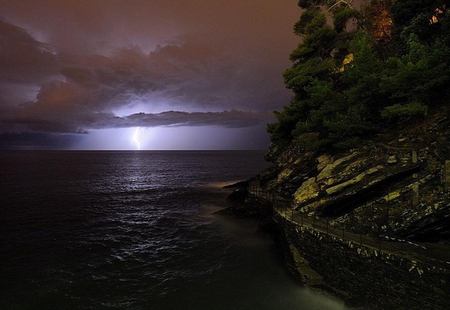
(251, 209)
(358, 276)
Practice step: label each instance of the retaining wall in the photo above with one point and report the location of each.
(371, 279)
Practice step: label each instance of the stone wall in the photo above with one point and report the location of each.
(365, 277)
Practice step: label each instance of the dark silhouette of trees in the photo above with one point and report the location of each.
(358, 73)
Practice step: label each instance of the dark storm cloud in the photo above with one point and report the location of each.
(22, 58)
(91, 91)
(36, 141)
(228, 119)
(82, 123)
(71, 66)
(86, 26)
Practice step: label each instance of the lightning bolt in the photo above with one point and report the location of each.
(136, 138)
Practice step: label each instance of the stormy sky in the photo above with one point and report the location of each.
(153, 74)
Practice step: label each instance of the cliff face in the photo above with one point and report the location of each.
(397, 184)
(372, 224)
(377, 216)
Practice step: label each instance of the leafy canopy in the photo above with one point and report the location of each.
(357, 73)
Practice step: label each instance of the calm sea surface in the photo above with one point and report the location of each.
(135, 230)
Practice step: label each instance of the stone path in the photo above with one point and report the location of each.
(431, 254)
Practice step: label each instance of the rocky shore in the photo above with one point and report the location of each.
(371, 226)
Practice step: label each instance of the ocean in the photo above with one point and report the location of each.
(136, 230)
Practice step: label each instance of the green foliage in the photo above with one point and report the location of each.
(348, 86)
(306, 4)
(445, 29)
(286, 121)
(341, 16)
(317, 35)
(416, 17)
(399, 111)
(301, 75)
(419, 75)
(363, 75)
(344, 128)
(305, 19)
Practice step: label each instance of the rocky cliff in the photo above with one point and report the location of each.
(396, 184)
(372, 224)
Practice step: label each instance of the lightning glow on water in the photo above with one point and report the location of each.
(136, 138)
(137, 230)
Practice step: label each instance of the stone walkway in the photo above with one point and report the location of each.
(432, 254)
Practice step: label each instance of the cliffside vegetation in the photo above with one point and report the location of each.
(363, 149)
(360, 71)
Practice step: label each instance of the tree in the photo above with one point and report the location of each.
(351, 83)
(311, 62)
(420, 17)
(314, 78)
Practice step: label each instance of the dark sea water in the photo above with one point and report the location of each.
(135, 230)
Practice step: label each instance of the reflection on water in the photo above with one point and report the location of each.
(135, 230)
